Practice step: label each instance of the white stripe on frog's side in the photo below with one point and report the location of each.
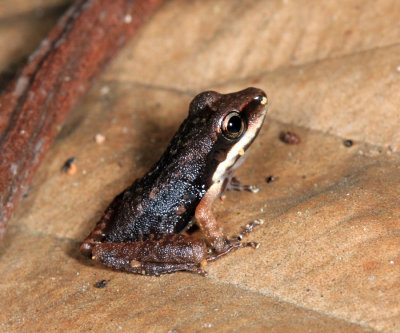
(237, 150)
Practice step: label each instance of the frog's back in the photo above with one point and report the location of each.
(165, 199)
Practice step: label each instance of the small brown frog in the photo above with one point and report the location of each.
(141, 230)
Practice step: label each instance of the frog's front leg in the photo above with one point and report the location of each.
(235, 185)
(167, 254)
(208, 225)
(206, 220)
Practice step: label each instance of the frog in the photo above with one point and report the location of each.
(144, 229)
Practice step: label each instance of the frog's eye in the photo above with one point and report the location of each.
(233, 125)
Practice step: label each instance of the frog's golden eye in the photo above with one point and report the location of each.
(233, 125)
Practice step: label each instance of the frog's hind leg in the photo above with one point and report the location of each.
(158, 269)
(167, 254)
(98, 234)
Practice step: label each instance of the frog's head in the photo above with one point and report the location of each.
(232, 121)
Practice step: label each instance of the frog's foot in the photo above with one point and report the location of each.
(166, 254)
(234, 185)
(223, 247)
(248, 228)
(231, 246)
(165, 268)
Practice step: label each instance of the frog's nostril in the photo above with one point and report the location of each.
(261, 99)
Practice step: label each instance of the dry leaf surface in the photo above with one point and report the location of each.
(329, 258)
